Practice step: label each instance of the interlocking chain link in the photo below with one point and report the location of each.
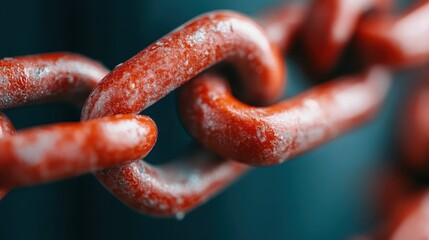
(237, 131)
(404, 194)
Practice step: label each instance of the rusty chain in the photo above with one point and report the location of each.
(247, 128)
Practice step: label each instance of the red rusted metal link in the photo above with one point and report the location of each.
(404, 208)
(415, 131)
(173, 188)
(271, 135)
(397, 41)
(31, 79)
(326, 28)
(329, 26)
(408, 220)
(159, 69)
(409, 216)
(181, 55)
(403, 197)
(6, 128)
(68, 149)
(404, 212)
(62, 150)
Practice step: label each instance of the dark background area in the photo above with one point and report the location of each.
(324, 194)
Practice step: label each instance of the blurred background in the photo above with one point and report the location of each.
(324, 194)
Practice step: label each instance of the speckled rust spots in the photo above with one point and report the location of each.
(174, 188)
(185, 52)
(38, 77)
(266, 136)
(6, 127)
(68, 149)
(164, 66)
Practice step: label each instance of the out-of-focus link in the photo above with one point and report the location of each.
(6, 128)
(329, 26)
(397, 41)
(415, 129)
